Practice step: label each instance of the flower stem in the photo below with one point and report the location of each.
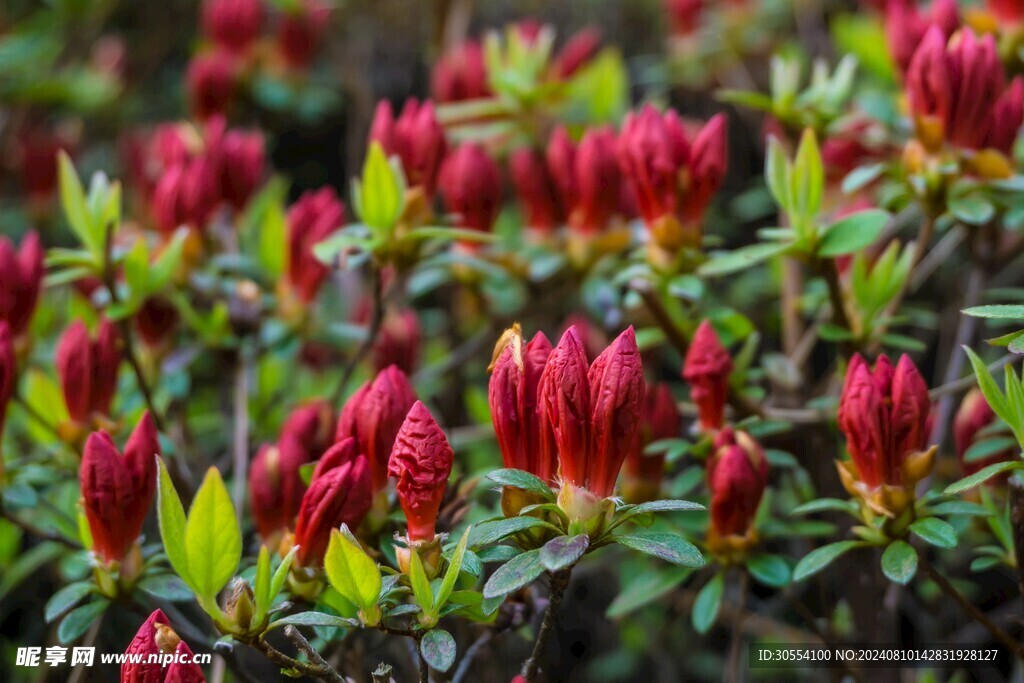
(559, 582)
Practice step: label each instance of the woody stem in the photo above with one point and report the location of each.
(950, 590)
(559, 582)
(322, 673)
(376, 318)
(733, 670)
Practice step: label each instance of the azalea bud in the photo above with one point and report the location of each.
(421, 463)
(707, 368)
(8, 373)
(1008, 11)
(21, 279)
(399, 341)
(242, 162)
(232, 24)
(416, 137)
(340, 495)
(593, 413)
(156, 321)
(373, 416)
(116, 490)
(88, 369)
(660, 420)
(580, 49)
(461, 74)
(737, 477)
(311, 220)
(183, 669)
(241, 606)
(905, 26)
(884, 414)
(471, 186)
(974, 416)
(300, 32)
(210, 82)
(587, 176)
(684, 16)
(535, 189)
(37, 149)
(186, 194)
(525, 441)
(1008, 115)
(155, 639)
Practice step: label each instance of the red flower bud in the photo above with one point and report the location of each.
(684, 16)
(154, 639)
(187, 194)
(210, 82)
(578, 50)
(884, 415)
(905, 26)
(737, 477)
(8, 371)
(1008, 11)
(310, 220)
(593, 413)
(416, 137)
(660, 420)
(242, 161)
(421, 462)
(975, 415)
(1007, 117)
(117, 490)
(21, 279)
(88, 369)
(399, 341)
(526, 442)
(300, 32)
(587, 176)
(709, 159)
(232, 24)
(341, 495)
(373, 416)
(535, 188)
(470, 183)
(183, 669)
(461, 74)
(156, 321)
(707, 368)
(37, 148)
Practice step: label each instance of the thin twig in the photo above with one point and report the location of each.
(376, 318)
(733, 671)
(471, 652)
(559, 582)
(314, 656)
(240, 430)
(327, 674)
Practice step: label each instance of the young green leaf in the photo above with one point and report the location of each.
(352, 572)
(819, 558)
(213, 540)
(171, 519)
(707, 604)
(852, 233)
(808, 177)
(521, 480)
(981, 476)
(451, 575)
(381, 191)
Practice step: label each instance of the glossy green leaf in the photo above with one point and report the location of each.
(981, 476)
(438, 649)
(522, 480)
(819, 558)
(899, 562)
(770, 570)
(935, 531)
(171, 518)
(66, 598)
(79, 620)
(514, 574)
(669, 547)
(563, 551)
(708, 603)
(351, 571)
(213, 540)
(451, 575)
(852, 233)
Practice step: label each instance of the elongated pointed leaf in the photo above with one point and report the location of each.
(213, 541)
(351, 571)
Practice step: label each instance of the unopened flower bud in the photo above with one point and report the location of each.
(707, 368)
(88, 369)
(421, 462)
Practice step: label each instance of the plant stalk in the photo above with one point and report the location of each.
(559, 582)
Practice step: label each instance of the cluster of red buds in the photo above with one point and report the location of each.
(470, 184)
(158, 655)
(275, 485)
(88, 369)
(310, 220)
(737, 470)
(906, 26)
(420, 463)
(660, 420)
(587, 178)
(958, 94)
(232, 29)
(884, 414)
(974, 421)
(186, 175)
(416, 138)
(116, 494)
(21, 280)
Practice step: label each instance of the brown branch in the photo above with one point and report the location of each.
(732, 672)
(559, 582)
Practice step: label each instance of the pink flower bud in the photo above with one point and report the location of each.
(21, 279)
(421, 463)
(37, 148)
(154, 639)
(580, 49)
(242, 162)
(564, 404)
(300, 32)
(373, 415)
(1007, 117)
(210, 82)
(311, 220)
(8, 371)
(905, 26)
(684, 16)
(232, 24)
(660, 420)
(975, 415)
(535, 189)
(884, 415)
(88, 369)
(525, 441)
(707, 368)
(116, 490)
(186, 194)
(737, 477)
(470, 183)
(416, 137)
(341, 495)
(399, 341)
(183, 669)
(461, 74)
(587, 176)
(1008, 11)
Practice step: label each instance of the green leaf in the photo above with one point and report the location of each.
(438, 649)
(997, 311)
(66, 598)
(776, 174)
(72, 199)
(645, 587)
(724, 263)
(522, 480)
(986, 448)
(213, 541)
(973, 210)
(514, 574)
(171, 518)
(261, 584)
(993, 396)
(381, 192)
(771, 570)
(981, 476)
(707, 604)
(899, 562)
(421, 588)
(314, 619)
(281, 573)
(861, 176)
(166, 587)
(563, 551)
(451, 575)
(825, 504)
(486, 533)
(667, 506)
(352, 572)
(808, 177)
(79, 620)
(935, 531)
(819, 558)
(668, 547)
(852, 233)
(961, 507)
